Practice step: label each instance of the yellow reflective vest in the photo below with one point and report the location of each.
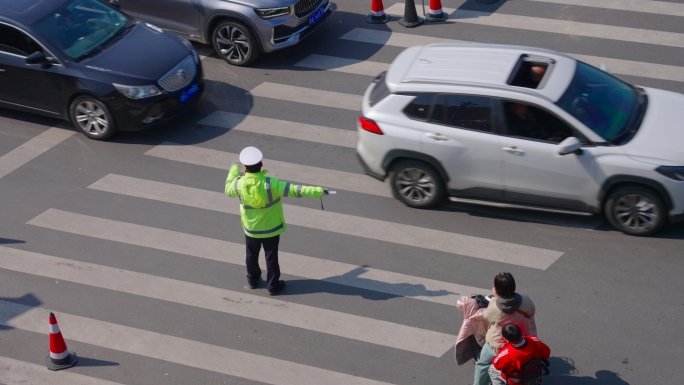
(261, 210)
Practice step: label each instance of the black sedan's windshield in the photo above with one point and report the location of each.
(81, 26)
(602, 102)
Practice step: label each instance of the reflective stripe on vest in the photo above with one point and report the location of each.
(271, 202)
(262, 232)
(287, 189)
(299, 191)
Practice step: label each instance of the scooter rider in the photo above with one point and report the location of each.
(261, 213)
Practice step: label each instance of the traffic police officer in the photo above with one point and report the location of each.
(261, 213)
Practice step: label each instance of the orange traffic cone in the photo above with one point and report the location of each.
(436, 13)
(377, 14)
(59, 357)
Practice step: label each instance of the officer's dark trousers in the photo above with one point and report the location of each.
(272, 267)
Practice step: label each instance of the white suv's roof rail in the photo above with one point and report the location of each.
(506, 87)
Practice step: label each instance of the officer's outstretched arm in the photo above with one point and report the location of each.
(230, 185)
(291, 190)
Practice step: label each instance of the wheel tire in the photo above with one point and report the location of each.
(636, 210)
(404, 181)
(98, 122)
(242, 53)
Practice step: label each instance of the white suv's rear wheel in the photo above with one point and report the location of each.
(636, 210)
(417, 184)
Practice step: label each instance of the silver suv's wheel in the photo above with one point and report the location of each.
(416, 184)
(636, 210)
(92, 118)
(235, 43)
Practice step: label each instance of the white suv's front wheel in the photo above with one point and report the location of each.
(417, 184)
(636, 210)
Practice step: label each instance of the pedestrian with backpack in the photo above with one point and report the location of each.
(521, 361)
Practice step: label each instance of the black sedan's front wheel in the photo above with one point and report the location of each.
(235, 43)
(92, 117)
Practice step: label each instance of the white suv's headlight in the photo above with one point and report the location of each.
(269, 13)
(137, 92)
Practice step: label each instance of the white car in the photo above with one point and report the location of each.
(524, 127)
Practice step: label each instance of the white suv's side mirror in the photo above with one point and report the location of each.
(570, 145)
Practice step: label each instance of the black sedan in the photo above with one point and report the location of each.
(85, 61)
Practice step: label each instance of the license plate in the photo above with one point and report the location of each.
(316, 15)
(189, 93)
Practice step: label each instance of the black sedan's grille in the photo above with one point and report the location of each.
(303, 7)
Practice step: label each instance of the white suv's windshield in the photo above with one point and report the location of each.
(81, 26)
(602, 102)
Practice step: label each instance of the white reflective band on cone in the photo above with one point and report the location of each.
(378, 13)
(54, 329)
(59, 356)
(435, 11)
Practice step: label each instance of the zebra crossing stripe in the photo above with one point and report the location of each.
(338, 64)
(33, 148)
(282, 128)
(616, 66)
(308, 96)
(565, 27)
(401, 234)
(362, 277)
(177, 350)
(15, 372)
(292, 314)
(283, 170)
(643, 6)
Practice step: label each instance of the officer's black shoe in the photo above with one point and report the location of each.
(280, 286)
(253, 285)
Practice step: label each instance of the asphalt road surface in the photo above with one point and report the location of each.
(133, 246)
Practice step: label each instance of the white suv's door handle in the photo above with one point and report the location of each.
(437, 137)
(514, 150)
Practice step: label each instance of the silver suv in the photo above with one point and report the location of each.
(524, 127)
(239, 30)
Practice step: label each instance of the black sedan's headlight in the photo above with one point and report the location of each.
(672, 172)
(269, 13)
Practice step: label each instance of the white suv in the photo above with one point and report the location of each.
(524, 127)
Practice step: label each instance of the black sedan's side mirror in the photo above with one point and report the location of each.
(37, 58)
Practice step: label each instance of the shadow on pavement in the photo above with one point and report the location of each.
(7, 313)
(563, 372)
(92, 362)
(351, 284)
(7, 241)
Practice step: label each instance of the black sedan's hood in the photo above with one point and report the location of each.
(140, 57)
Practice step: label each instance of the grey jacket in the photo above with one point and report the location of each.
(501, 312)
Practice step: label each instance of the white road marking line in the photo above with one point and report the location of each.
(287, 171)
(643, 6)
(333, 63)
(419, 237)
(15, 372)
(176, 350)
(305, 317)
(308, 96)
(566, 27)
(362, 277)
(283, 128)
(32, 149)
(616, 66)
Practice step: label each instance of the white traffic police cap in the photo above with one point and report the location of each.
(250, 156)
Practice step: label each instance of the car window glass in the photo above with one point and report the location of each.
(530, 122)
(81, 27)
(16, 42)
(438, 110)
(470, 112)
(419, 107)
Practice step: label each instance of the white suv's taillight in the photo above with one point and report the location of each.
(370, 126)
